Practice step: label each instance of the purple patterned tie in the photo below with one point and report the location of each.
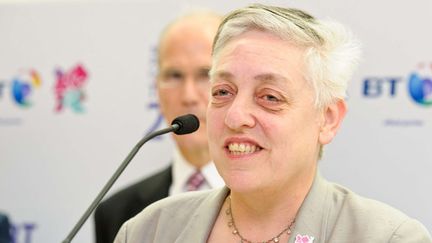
(195, 181)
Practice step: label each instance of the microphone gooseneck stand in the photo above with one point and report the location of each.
(181, 125)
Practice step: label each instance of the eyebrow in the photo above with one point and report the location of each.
(221, 75)
(271, 78)
(264, 77)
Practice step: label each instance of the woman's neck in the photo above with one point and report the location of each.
(265, 213)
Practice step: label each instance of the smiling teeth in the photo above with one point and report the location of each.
(241, 148)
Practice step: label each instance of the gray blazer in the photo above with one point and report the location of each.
(330, 213)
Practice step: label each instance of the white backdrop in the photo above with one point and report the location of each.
(53, 163)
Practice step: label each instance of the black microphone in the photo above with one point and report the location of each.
(181, 125)
(187, 124)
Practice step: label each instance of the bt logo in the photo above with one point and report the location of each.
(22, 86)
(377, 86)
(419, 86)
(420, 89)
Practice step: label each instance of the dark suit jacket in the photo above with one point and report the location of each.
(4, 229)
(128, 202)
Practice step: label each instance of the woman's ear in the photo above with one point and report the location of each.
(332, 117)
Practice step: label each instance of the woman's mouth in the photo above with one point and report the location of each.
(242, 148)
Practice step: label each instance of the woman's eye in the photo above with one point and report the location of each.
(220, 92)
(271, 98)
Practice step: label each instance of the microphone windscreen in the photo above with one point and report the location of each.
(187, 124)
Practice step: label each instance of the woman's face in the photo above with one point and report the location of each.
(263, 127)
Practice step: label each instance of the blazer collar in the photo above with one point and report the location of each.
(202, 220)
(312, 217)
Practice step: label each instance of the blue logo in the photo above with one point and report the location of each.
(23, 85)
(374, 87)
(420, 89)
(419, 86)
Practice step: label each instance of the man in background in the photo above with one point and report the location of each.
(183, 87)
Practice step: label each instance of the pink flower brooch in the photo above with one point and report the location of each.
(304, 239)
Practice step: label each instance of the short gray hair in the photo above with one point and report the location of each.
(331, 51)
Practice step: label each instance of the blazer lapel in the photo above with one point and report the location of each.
(311, 221)
(202, 220)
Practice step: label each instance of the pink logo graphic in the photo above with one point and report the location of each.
(304, 239)
(69, 88)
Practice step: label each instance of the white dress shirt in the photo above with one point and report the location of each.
(182, 170)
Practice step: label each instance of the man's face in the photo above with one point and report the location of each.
(183, 82)
(263, 127)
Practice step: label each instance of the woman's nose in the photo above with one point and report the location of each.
(240, 114)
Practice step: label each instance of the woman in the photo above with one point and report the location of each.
(278, 83)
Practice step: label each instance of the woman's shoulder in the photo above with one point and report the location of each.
(174, 213)
(365, 207)
(356, 213)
